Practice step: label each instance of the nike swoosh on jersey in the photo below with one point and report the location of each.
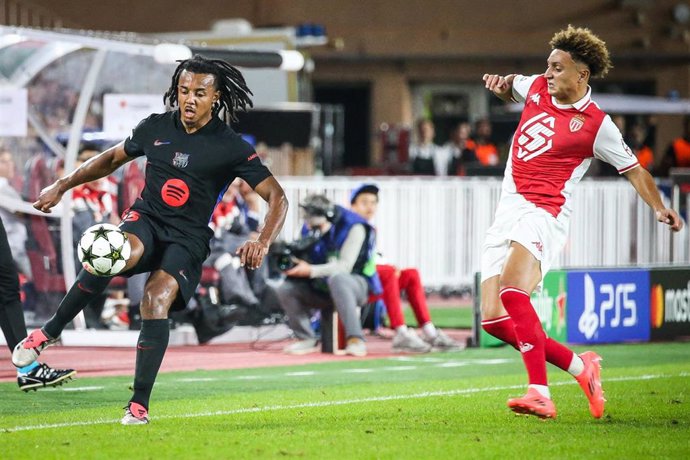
(158, 142)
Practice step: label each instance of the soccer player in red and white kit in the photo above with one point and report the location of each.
(560, 131)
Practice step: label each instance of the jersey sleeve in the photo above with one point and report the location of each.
(610, 147)
(135, 142)
(521, 86)
(250, 168)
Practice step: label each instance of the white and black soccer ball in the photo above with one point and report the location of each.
(103, 250)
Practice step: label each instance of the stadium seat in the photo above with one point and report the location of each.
(41, 247)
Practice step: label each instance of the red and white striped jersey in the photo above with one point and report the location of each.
(555, 143)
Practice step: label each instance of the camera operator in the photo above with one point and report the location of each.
(340, 273)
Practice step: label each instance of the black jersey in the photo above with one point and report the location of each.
(187, 174)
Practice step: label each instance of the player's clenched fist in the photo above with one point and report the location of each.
(501, 86)
(252, 254)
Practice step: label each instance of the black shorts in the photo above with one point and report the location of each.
(163, 251)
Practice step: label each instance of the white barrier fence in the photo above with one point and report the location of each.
(438, 225)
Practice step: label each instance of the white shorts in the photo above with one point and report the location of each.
(521, 221)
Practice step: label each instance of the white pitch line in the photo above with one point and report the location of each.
(426, 394)
(198, 379)
(453, 364)
(299, 374)
(82, 388)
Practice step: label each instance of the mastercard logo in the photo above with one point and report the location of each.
(175, 193)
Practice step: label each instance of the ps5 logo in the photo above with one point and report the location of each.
(617, 308)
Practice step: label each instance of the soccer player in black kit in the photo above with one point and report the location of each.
(192, 157)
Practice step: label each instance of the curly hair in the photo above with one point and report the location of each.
(584, 47)
(234, 93)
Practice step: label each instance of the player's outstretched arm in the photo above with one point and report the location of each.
(252, 252)
(501, 86)
(99, 166)
(646, 188)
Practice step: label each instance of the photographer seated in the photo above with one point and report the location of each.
(338, 272)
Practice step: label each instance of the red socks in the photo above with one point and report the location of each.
(531, 339)
(503, 328)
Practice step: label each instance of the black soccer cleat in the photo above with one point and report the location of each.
(44, 376)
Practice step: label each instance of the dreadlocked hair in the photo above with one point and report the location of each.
(234, 93)
(584, 47)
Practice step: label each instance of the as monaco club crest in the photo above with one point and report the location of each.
(576, 123)
(181, 160)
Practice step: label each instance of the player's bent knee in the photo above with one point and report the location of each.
(160, 293)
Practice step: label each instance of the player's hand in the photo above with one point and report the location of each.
(301, 270)
(49, 197)
(501, 86)
(670, 218)
(252, 254)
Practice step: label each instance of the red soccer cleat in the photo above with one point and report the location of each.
(590, 382)
(533, 403)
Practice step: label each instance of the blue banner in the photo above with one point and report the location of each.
(608, 306)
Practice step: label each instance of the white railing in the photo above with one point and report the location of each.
(438, 225)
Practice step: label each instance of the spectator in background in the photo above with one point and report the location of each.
(637, 141)
(14, 223)
(234, 220)
(96, 201)
(461, 149)
(485, 149)
(339, 273)
(364, 201)
(92, 203)
(428, 158)
(678, 153)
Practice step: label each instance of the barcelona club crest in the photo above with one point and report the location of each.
(181, 160)
(576, 123)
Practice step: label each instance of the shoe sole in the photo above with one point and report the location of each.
(301, 352)
(138, 422)
(527, 410)
(447, 349)
(57, 382)
(408, 350)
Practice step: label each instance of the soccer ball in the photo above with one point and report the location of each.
(103, 250)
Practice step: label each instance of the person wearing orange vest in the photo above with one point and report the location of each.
(485, 149)
(678, 153)
(643, 152)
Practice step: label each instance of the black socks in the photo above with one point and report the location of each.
(86, 288)
(153, 341)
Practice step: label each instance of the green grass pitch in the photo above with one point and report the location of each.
(436, 406)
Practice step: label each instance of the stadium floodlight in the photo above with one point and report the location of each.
(169, 53)
(292, 60)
